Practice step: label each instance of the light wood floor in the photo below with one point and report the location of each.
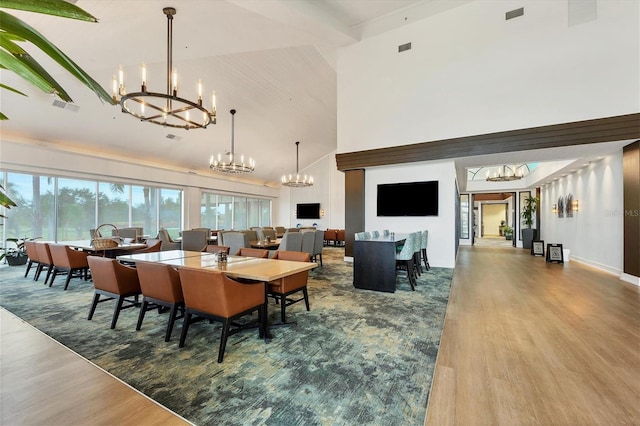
(531, 343)
(44, 383)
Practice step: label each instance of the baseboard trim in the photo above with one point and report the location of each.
(631, 279)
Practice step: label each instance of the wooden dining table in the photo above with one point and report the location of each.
(264, 244)
(237, 267)
(87, 245)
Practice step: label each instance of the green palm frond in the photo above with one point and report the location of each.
(14, 58)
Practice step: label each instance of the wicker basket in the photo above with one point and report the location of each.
(100, 243)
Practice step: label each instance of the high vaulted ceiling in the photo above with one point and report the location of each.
(274, 61)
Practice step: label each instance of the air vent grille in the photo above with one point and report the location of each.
(174, 137)
(64, 105)
(514, 13)
(404, 47)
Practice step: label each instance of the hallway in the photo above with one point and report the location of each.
(527, 342)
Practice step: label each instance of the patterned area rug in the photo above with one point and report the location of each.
(358, 357)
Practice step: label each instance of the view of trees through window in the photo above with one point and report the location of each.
(219, 211)
(82, 205)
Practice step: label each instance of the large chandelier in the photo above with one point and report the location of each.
(166, 109)
(296, 181)
(507, 173)
(226, 163)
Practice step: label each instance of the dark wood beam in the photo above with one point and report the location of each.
(599, 130)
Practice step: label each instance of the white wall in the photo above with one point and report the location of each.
(441, 228)
(328, 190)
(471, 72)
(594, 234)
(32, 158)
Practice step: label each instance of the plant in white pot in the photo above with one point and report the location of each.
(529, 209)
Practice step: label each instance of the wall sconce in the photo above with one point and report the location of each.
(554, 210)
(574, 205)
(321, 212)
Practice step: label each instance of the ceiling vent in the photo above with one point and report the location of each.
(65, 105)
(514, 13)
(174, 137)
(404, 47)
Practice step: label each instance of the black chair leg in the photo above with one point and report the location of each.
(320, 254)
(306, 297)
(172, 319)
(53, 278)
(28, 268)
(185, 328)
(36, 276)
(226, 324)
(96, 299)
(49, 271)
(143, 309)
(69, 275)
(116, 311)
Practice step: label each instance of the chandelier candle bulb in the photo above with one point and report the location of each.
(144, 77)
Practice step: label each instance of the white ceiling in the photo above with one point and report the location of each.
(274, 61)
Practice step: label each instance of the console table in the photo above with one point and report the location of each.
(374, 263)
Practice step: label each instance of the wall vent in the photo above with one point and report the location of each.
(404, 47)
(174, 137)
(65, 105)
(514, 13)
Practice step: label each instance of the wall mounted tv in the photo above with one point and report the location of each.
(308, 211)
(408, 199)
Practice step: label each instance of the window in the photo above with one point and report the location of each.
(219, 211)
(76, 201)
(171, 211)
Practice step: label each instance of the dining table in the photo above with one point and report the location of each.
(266, 244)
(237, 267)
(87, 245)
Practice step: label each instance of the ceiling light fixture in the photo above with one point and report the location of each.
(221, 164)
(507, 174)
(166, 109)
(296, 181)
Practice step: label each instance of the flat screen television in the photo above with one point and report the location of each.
(308, 211)
(408, 199)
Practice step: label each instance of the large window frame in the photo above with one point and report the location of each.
(225, 211)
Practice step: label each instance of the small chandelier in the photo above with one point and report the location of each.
(166, 109)
(507, 174)
(296, 181)
(221, 164)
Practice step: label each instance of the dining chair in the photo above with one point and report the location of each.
(291, 241)
(214, 296)
(235, 241)
(32, 254)
(286, 286)
(318, 245)
(280, 230)
(253, 252)
(195, 240)
(114, 281)
(252, 235)
(425, 241)
(68, 261)
(153, 245)
(160, 286)
(340, 237)
(213, 248)
(44, 261)
(308, 241)
(167, 241)
(269, 233)
(404, 259)
(417, 247)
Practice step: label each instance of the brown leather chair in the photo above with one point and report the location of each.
(212, 248)
(32, 254)
(214, 296)
(115, 281)
(286, 286)
(340, 237)
(253, 252)
(69, 261)
(160, 285)
(44, 261)
(153, 245)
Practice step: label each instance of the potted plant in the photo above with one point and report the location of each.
(15, 255)
(528, 211)
(508, 232)
(501, 228)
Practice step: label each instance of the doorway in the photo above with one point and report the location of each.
(495, 219)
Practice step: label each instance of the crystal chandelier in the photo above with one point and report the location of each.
(229, 165)
(166, 109)
(296, 181)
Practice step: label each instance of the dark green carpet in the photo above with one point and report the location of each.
(358, 357)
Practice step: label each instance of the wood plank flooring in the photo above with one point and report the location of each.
(44, 383)
(531, 343)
